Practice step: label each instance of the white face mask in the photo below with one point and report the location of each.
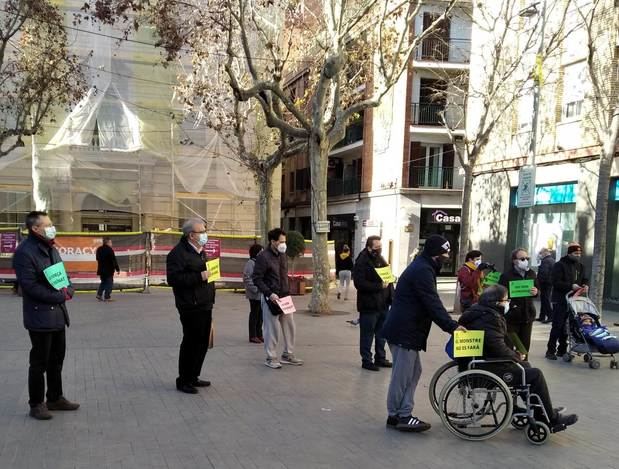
(477, 262)
(50, 232)
(281, 248)
(505, 307)
(523, 265)
(202, 239)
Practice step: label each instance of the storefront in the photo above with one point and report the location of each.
(342, 230)
(612, 245)
(444, 222)
(550, 223)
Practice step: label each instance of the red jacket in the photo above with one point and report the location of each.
(469, 279)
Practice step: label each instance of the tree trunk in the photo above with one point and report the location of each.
(319, 156)
(265, 196)
(465, 221)
(601, 212)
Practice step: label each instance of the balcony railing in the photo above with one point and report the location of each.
(430, 114)
(354, 133)
(338, 187)
(437, 49)
(430, 177)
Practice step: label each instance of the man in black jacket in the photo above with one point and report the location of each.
(271, 277)
(194, 296)
(106, 265)
(568, 275)
(45, 315)
(544, 279)
(488, 316)
(416, 305)
(373, 299)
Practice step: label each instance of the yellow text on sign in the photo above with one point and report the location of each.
(385, 274)
(214, 270)
(468, 344)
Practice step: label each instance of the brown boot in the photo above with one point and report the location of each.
(40, 412)
(62, 404)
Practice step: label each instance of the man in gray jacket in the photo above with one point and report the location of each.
(253, 295)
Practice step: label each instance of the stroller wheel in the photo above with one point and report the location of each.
(613, 364)
(568, 357)
(587, 357)
(594, 364)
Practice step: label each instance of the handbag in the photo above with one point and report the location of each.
(273, 307)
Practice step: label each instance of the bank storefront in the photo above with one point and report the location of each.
(444, 222)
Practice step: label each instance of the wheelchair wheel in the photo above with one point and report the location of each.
(438, 381)
(537, 433)
(520, 422)
(475, 405)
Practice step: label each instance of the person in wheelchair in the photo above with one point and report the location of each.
(488, 315)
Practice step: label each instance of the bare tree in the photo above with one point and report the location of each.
(37, 73)
(599, 20)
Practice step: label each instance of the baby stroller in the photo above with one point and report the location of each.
(582, 341)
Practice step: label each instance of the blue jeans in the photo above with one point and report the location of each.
(105, 288)
(370, 325)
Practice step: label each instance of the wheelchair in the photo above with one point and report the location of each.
(476, 404)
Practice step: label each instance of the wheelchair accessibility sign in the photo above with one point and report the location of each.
(468, 344)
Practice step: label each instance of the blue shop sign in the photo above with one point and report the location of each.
(554, 194)
(615, 190)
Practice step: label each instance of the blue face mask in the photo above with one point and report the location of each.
(203, 239)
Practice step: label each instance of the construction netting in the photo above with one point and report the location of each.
(126, 158)
(142, 257)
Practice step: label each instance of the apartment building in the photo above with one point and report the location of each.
(567, 150)
(395, 173)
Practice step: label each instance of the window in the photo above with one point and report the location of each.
(291, 182)
(303, 179)
(14, 206)
(574, 83)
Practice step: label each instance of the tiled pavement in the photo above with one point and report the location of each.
(329, 413)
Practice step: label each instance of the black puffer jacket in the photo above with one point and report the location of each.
(416, 305)
(371, 296)
(271, 273)
(43, 306)
(544, 272)
(521, 310)
(566, 273)
(106, 261)
(184, 267)
(492, 322)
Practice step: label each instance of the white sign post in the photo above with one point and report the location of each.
(526, 187)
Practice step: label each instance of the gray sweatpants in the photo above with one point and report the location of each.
(404, 379)
(271, 326)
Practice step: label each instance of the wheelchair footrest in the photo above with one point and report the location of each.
(558, 428)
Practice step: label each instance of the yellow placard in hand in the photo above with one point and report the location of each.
(468, 344)
(385, 274)
(214, 271)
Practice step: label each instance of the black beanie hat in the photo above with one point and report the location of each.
(436, 245)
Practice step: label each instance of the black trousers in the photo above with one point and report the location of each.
(544, 296)
(196, 333)
(255, 319)
(105, 287)
(46, 359)
(559, 329)
(370, 325)
(523, 331)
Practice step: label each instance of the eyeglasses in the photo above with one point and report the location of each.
(524, 258)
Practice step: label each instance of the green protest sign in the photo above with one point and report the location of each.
(492, 278)
(56, 275)
(468, 344)
(517, 343)
(520, 288)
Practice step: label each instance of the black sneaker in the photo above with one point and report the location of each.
(563, 421)
(384, 364)
(392, 421)
(550, 356)
(412, 424)
(370, 366)
(200, 383)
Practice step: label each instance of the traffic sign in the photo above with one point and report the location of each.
(526, 187)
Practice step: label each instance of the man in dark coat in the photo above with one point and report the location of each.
(194, 296)
(45, 315)
(488, 316)
(544, 280)
(373, 299)
(106, 265)
(416, 305)
(568, 275)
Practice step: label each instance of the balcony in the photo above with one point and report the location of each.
(430, 177)
(347, 186)
(430, 114)
(437, 49)
(354, 133)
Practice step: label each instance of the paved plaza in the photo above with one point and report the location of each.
(121, 364)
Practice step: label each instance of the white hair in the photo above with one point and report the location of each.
(190, 223)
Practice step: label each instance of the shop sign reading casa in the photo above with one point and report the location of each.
(440, 216)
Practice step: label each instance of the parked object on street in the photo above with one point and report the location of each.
(107, 264)
(253, 295)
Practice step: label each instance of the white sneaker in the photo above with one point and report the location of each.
(273, 363)
(290, 359)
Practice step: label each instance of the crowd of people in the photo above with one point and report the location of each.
(400, 318)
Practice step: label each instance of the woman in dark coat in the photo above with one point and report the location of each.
(522, 310)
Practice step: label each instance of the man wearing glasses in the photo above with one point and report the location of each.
(194, 297)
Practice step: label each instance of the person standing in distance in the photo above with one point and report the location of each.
(194, 297)
(470, 277)
(416, 305)
(544, 278)
(373, 300)
(271, 278)
(45, 316)
(253, 295)
(106, 265)
(343, 271)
